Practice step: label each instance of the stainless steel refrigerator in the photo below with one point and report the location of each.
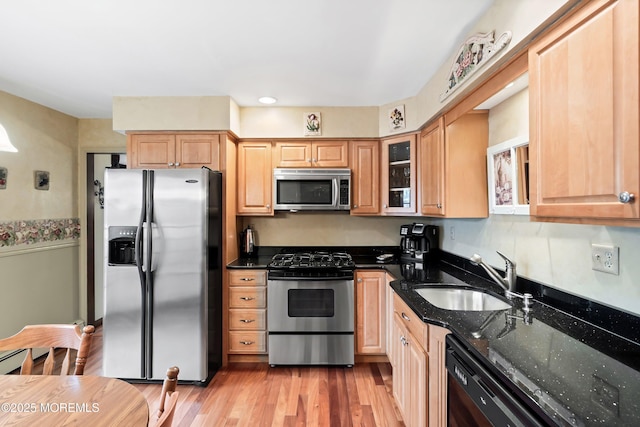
(163, 277)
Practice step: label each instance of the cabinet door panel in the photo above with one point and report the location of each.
(152, 151)
(432, 170)
(370, 312)
(330, 154)
(254, 178)
(365, 187)
(292, 154)
(584, 114)
(194, 151)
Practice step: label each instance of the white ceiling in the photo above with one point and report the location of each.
(75, 55)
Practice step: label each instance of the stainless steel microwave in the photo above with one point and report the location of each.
(311, 189)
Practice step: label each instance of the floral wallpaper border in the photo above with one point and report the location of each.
(28, 232)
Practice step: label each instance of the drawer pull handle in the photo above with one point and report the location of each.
(247, 279)
(247, 298)
(247, 342)
(405, 317)
(247, 320)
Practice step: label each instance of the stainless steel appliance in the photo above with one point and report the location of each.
(311, 189)
(311, 309)
(476, 397)
(419, 241)
(162, 273)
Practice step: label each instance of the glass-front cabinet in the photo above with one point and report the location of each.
(398, 173)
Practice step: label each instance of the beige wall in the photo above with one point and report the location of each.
(46, 140)
(39, 281)
(287, 122)
(326, 229)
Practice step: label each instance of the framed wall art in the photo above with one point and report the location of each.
(508, 177)
(41, 180)
(3, 178)
(396, 118)
(312, 124)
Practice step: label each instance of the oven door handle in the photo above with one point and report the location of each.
(312, 279)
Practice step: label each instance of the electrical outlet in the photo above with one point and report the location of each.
(605, 395)
(452, 233)
(605, 258)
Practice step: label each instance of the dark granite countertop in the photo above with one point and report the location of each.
(564, 367)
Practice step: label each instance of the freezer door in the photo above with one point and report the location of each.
(179, 264)
(123, 296)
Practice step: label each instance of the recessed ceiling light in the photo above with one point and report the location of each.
(267, 100)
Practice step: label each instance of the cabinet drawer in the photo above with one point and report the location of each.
(247, 277)
(247, 342)
(248, 319)
(411, 321)
(247, 297)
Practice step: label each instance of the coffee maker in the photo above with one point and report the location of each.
(419, 241)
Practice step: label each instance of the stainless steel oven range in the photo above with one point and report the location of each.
(310, 296)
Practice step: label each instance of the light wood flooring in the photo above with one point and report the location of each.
(254, 394)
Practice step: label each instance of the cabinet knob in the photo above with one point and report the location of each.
(626, 197)
(247, 298)
(355, 206)
(384, 206)
(177, 164)
(405, 317)
(308, 160)
(315, 160)
(247, 320)
(268, 206)
(247, 279)
(439, 206)
(359, 280)
(170, 163)
(247, 342)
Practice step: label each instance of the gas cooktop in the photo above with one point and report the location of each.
(314, 260)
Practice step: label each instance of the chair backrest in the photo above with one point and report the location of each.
(168, 398)
(52, 337)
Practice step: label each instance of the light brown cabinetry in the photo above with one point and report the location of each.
(419, 371)
(303, 154)
(371, 311)
(365, 180)
(247, 311)
(398, 175)
(170, 151)
(254, 178)
(453, 172)
(584, 114)
(410, 367)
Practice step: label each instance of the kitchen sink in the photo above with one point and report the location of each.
(461, 299)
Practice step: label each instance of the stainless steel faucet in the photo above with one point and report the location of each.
(508, 282)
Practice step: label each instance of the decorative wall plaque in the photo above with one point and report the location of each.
(473, 54)
(396, 118)
(312, 124)
(41, 180)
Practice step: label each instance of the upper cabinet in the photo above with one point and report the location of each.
(166, 150)
(584, 115)
(453, 173)
(398, 175)
(365, 180)
(304, 154)
(255, 178)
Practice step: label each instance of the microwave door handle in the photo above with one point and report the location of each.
(336, 192)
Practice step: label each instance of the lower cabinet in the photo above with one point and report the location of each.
(419, 374)
(371, 311)
(247, 312)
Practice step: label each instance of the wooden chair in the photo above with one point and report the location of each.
(168, 398)
(52, 336)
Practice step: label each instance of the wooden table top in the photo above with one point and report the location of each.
(85, 400)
